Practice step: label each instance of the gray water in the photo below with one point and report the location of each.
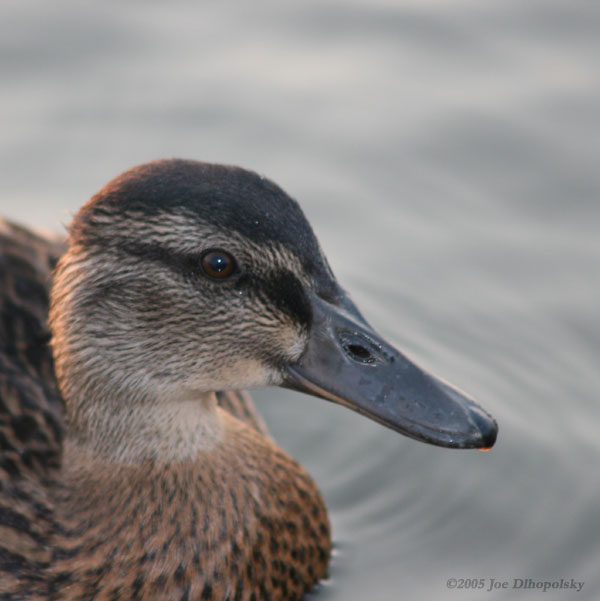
(446, 153)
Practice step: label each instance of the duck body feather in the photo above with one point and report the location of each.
(242, 520)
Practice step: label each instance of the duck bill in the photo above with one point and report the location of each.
(346, 362)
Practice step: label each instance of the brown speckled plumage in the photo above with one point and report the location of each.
(246, 523)
(31, 408)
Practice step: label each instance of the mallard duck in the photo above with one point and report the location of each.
(182, 280)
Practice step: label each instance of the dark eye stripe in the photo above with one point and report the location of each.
(282, 289)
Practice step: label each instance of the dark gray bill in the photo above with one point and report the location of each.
(346, 362)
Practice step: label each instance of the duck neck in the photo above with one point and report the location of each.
(158, 430)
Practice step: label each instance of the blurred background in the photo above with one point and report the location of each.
(446, 153)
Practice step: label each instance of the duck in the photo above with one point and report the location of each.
(133, 463)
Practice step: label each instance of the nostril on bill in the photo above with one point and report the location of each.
(359, 353)
(358, 347)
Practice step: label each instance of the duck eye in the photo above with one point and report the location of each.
(218, 264)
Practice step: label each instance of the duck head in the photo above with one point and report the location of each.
(184, 278)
